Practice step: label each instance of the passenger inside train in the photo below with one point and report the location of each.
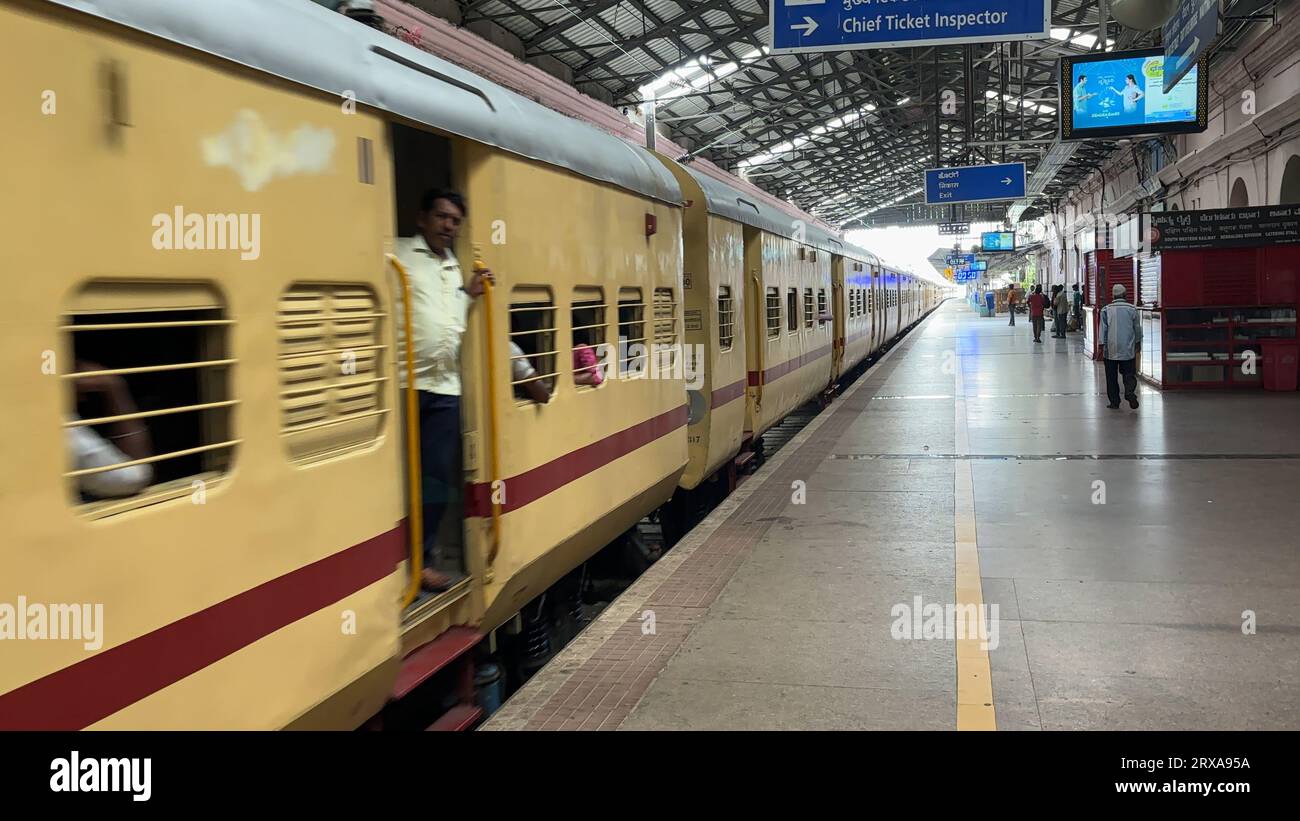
(523, 374)
(105, 395)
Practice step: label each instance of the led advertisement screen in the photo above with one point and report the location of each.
(998, 241)
(1122, 94)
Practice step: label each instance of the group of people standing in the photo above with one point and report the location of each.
(1059, 305)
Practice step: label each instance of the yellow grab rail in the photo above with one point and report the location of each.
(493, 457)
(415, 514)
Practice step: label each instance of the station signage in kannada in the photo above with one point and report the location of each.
(1188, 34)
(975, 183)
(841, 25)
(1224, 228)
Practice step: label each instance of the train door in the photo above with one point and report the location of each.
(838, 334)
(423, 162)
(756, 325)
(877, 311)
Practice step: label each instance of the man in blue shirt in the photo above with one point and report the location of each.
(1121, 343)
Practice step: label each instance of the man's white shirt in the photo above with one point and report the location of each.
(439, 312)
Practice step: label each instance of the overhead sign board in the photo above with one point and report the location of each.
(841, 25)
(954, 229)
(1187, 35)
(975, 183)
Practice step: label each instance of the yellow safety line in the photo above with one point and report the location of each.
(974, 679)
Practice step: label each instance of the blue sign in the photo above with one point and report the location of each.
(975, 183)
(841, 25)
(1129, 92)
(961, 259)
(1187, 35)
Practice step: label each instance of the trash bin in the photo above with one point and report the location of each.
(1281, 363)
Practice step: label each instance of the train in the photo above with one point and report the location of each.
(204, 208)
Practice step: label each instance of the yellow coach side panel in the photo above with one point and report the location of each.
(108, 134)
(580, 470)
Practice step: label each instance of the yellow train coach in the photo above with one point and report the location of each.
(203, 211)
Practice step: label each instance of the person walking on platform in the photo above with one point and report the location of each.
(1078, 307)
(1121, 343)
(1012, 300)
(1036, 304)
(1061, 305)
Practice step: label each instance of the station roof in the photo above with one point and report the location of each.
(843, 135)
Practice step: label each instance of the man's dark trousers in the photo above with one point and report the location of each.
(440, 461)
(1115, 367)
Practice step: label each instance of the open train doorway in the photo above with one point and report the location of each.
(424, 163)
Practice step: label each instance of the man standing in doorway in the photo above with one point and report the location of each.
(440, 302)
(1078, 306)
(1121, 343)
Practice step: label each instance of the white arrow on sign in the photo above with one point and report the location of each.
(1191, 49)
(808, 26)
(1006, 180)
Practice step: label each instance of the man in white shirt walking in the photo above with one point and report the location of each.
(440, 302)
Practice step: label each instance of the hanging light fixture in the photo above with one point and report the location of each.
(1143, 15)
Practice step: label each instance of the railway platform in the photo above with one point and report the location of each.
(1126, 570)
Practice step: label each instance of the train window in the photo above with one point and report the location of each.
(631, 330)
(726, 323)
(807, 307)
(871, 300)
(150, 387)
(331, 366)
(665, 329)
(821, 302)
(532, 331)
(853, 301)
(773, 313)
(588, 321)
(791, 309)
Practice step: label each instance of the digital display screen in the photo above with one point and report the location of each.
(980, 266)
(998, 241)
(1121, 94)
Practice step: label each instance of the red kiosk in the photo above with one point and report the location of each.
(1218, 297)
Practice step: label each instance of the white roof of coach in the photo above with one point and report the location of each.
(313, 46)
(725, 201)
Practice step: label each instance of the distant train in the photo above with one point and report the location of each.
(266, 576)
